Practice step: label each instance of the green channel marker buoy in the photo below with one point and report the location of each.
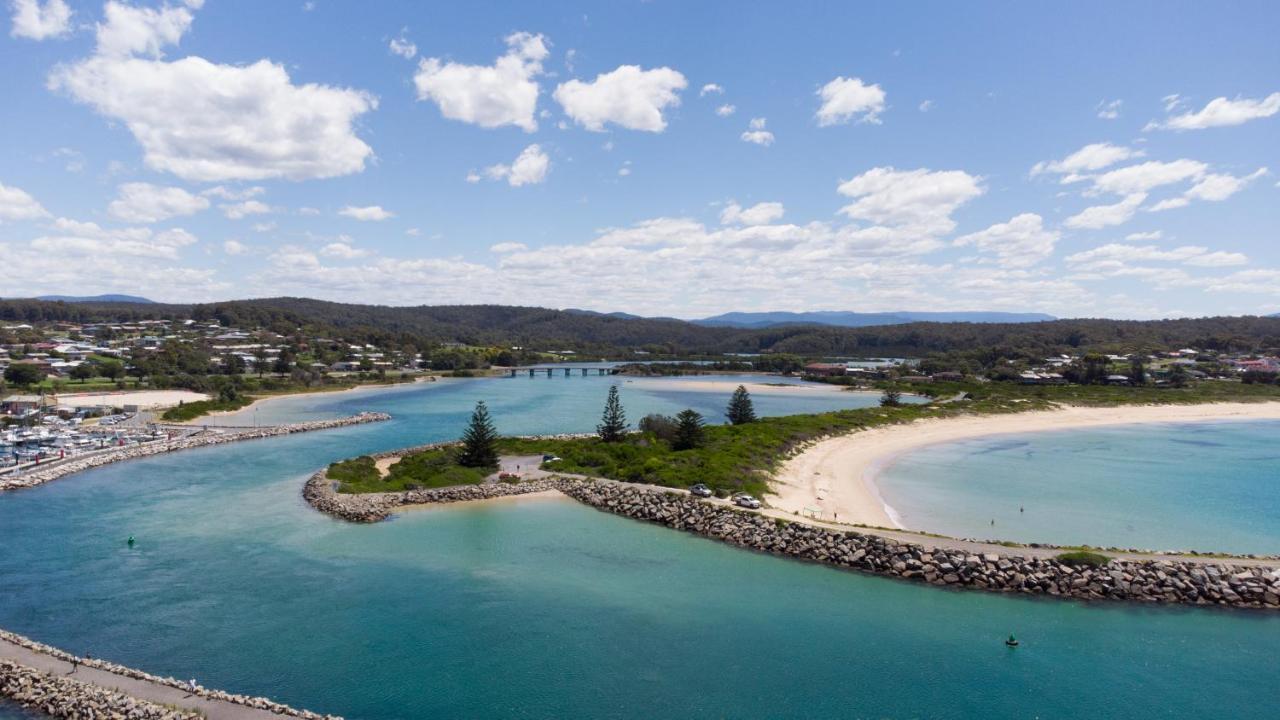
(1012, 641)
(130, 541)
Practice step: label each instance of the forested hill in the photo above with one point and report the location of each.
(546, 329)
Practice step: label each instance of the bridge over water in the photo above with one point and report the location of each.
(568, 371)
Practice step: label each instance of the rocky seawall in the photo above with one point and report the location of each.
(321, 494)
(63, 697)
(1165, 581)
(1153, 581)
(71, 695)
(203, 438)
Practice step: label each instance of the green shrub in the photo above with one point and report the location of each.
(1083, 558)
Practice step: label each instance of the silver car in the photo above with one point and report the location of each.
(746, 501)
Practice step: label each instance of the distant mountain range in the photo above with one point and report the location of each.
(856, 319)
(96, 298)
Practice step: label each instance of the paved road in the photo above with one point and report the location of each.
(141, 689)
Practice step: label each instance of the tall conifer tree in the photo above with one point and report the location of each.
(614, 422)
(479, 442)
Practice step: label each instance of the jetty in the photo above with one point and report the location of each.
(61, 684)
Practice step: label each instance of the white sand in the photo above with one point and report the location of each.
(836, 476)
(146, 399)
(383, 465)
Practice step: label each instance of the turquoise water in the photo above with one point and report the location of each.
(545, 608)
(1203, 486)
(525, 405)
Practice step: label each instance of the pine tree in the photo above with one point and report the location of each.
(614, 422)
(478, 442)
(891, 398)
(740, 408)
(689, 430)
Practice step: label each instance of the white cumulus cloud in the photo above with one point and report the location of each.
(845, 99)
(17, 204)
(372, 213)
(758, 214)
(921, 199)
(529, 168)
(343, 250)
(140, 202)
(1219, 112)
(628, 97)
(241, 210)
(1089, 158)
(208, 122)
(756, 133)
(403, 47)
(1021, 242)
(1109, 110)
(1100, 216)
(35, 21)
(490, 96)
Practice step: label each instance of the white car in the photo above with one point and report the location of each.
(746, 501)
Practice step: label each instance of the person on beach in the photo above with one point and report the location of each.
(75, 664)
(191, 686)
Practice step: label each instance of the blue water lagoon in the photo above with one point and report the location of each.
(1175, 486)
(541, 607)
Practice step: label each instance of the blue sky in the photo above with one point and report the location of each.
(666, 158)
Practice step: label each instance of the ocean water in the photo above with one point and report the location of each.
(545, 608)
(1204, 486)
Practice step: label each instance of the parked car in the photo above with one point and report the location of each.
(700, 490)
(746, 501)
(549, 458)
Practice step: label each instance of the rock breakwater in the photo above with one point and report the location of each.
(258, 703)
(321, 494)
(63, 697)
(201, 438)
(1151, 581)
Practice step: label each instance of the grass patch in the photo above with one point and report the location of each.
(1082, 558)
(427, 469)
(193, 410)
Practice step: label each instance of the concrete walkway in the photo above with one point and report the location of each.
(140, 689)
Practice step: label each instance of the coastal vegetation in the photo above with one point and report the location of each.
(741, 410)
(1083, 558)
(479, 441)
(192, 410)
(613, 423)
(434, 468)
(741, 458)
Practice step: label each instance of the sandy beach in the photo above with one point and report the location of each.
(145, 399)
(835, 478)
